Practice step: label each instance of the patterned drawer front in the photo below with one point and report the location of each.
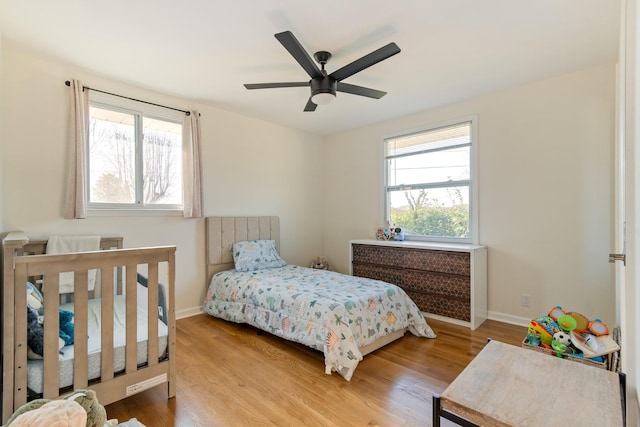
(438, 261)
(453, 286)
(442, 306)
(379, 255)
(385, 274)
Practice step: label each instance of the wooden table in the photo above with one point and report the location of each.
(511, 386)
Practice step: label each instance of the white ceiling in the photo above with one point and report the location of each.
(204, 50)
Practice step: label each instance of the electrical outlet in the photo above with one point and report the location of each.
(525, 300)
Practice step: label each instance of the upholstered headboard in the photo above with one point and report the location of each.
(223, 231)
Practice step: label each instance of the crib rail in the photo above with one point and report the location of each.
(112, 385)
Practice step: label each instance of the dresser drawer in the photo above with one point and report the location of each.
(385, 274)
(444, 285)
(438, 261)
(378, 255)
(442, 306)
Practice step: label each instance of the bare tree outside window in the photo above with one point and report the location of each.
(125, 171)
(162, 170)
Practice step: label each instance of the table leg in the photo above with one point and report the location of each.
(438, 413)
(436, 410)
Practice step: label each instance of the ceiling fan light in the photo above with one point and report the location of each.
(323, 98)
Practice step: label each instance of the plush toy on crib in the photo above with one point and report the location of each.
(35, 328)
(320, 263)
(35, 332)
(35, 336)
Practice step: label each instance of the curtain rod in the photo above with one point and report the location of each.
(68, 83)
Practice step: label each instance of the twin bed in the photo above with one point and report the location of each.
(344, 317)
(124, 329)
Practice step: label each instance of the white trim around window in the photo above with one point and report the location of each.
(472, 235)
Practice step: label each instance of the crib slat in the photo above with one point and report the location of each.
(20, 361)
(131, 286)
(51, 334)
(152, 315)
(171, 315)
(106, 322)
(80, 352)
(11, 244)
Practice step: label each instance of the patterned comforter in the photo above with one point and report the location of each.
(331, 312)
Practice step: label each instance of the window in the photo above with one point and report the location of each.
(429, 183)
(134, 159)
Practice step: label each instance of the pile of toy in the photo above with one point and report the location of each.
(571, 333)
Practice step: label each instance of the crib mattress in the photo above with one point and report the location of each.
(35, 370)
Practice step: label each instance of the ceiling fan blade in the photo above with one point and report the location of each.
(288, 40)
(359, 90)
(366, 61)
(311, 106)
(275, 85)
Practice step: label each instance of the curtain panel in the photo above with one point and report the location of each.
(76, 192)
(191, 166)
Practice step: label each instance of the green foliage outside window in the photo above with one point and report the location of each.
(434, 221)
(428, 217)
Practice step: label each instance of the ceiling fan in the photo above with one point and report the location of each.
(324, 86)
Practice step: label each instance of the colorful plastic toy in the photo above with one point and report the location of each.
(567, 323)
(598, 328)
(558, 347)
(582, 323)
(556, 312)
(544, 326)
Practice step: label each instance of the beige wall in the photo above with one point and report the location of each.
(545, 189)
(250, 167)
(545, 182)
(1, 138)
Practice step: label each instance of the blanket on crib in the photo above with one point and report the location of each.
(68, 244)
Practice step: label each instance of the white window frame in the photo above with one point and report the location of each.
(473, 184)
(139, 109)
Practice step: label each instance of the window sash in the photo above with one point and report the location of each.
(426, 186)
(138, 203)
(454, 136)
(430, 150)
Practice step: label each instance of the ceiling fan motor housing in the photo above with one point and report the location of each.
(324, 84)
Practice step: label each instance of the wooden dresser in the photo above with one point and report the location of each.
(445, 280)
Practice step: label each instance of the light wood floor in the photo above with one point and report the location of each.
(228, 375)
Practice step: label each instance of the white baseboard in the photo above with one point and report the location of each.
(446, 319)
(507, 318)
(500, 317)
(188, 312)
(493, 315)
